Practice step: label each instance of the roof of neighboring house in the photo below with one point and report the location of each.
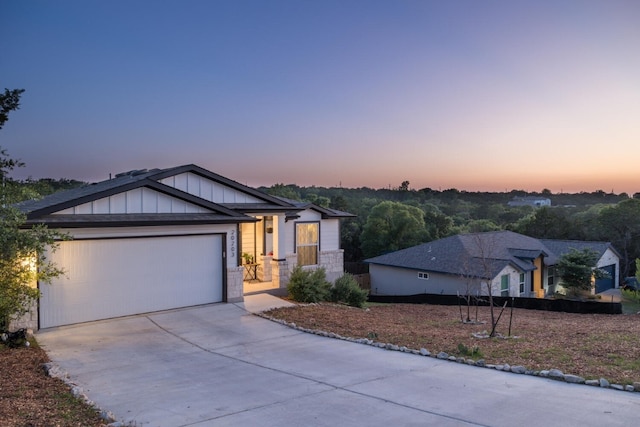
(561, 247)
(481, 255)
(40, 211)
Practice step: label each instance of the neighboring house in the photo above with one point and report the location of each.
(152, 240)
(608, 260)
(530, 201)
(514, 264)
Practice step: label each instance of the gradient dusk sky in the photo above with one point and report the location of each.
(474, 95)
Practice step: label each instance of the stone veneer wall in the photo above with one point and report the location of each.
(265, 269)
(28, 321)
(333, 262)
(235, 290)
(281, 270)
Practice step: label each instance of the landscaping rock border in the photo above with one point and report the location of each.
(554, 374)
(55, 371)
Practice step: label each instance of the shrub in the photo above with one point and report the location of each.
(308, 285)
(347, 290)
(630, 295)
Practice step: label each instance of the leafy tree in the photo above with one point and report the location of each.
(438, 225)
(318, 200)
(339, 202)
(350, 232)
(392, 226)
(9, 101)
(545, 223)
(586, 223)
(287, 191)
(620, 224)
(22, 249)
(576, 270)
(478, 226)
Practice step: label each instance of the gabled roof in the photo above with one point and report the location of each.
(50, 210)
(75, 196)
(268, 199)
(40, 211)
(561, 247)
(481, 255)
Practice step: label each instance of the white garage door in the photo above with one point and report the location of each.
(117, 277)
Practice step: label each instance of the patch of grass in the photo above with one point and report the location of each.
(473, 352)
(630, 302)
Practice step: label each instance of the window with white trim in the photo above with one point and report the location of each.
(504, 285)
(522, 282)
(423, 275)
(307, 242)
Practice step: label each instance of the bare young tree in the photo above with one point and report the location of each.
(483, 262)
(471, 289)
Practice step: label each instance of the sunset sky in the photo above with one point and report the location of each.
(474, 95)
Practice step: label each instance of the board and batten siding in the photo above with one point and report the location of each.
(229, 230)
(330, 235)
(386, 280)
(136, 201)
(207, 189)
(249, 243)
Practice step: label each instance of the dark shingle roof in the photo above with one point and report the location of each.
(41, 210)
(86, 192)
(477, 254)
(484, 254)
(561, 247)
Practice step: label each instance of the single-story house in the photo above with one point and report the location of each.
(150, 240)
(514, 264)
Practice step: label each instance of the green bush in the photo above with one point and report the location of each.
(347, 290)
(308, 285)
(630, 295)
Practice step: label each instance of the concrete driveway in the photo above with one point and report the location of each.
(219, 365)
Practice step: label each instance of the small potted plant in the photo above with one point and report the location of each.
(248, 258)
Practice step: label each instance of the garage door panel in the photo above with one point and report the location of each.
(118, 277)
(605, 283)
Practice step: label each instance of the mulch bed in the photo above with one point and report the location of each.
(29, 397)
(589, 345)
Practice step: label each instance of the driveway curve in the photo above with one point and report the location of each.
(219, 365)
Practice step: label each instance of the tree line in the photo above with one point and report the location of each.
(397, 218)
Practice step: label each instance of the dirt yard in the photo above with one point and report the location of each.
(589, 345)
